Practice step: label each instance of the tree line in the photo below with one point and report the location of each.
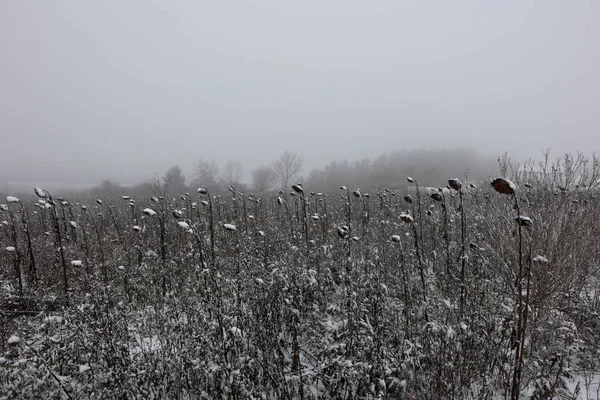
(386, 170)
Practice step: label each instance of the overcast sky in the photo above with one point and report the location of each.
(123, 89)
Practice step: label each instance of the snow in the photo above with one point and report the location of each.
(84, 368)
(14, 340)
(52, 319)
(40, 192)
(406, 217)
(183, 225)
(151, 253)
(12, 199)
(145, 344)
(156, 335)
(334, 326)
(589, 391)
(149, 211)
(432, 190)
(450, 333)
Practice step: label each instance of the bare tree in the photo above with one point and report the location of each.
(262, 179)
(205, 174)
(107, 188)
(287, 167)
(157, 188)
(174, 181)
(233, 173)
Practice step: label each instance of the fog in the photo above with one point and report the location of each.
(125, 89)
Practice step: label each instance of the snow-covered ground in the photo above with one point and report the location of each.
(588, 388)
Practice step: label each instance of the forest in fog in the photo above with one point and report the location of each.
(386, 170)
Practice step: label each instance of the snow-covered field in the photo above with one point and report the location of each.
(472, 293)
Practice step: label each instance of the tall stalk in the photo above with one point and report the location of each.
(17, 254)
(59, 238)
(516, 380)
(407, 306)
(32, 267)
(412, 180)
(305, 220)
(204, 191)
(463, 258)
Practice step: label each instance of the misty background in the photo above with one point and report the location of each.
(123, 90)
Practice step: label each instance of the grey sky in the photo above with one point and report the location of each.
(123, 89)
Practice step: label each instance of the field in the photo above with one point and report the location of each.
(477, 290)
